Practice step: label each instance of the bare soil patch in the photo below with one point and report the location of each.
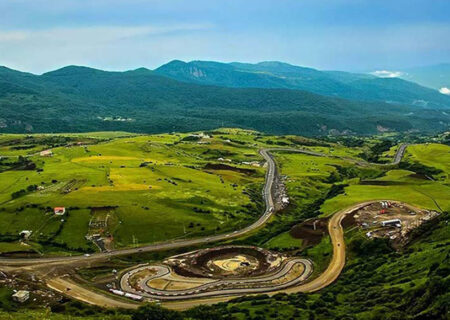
(310, 231)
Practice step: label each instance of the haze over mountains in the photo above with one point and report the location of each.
(436, 76)
(270, 96)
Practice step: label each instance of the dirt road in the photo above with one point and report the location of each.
(84, 294)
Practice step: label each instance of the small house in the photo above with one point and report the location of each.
(25, 233)
(59, 211)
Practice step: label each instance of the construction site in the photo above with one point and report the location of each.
(391, 219)
(228, 261)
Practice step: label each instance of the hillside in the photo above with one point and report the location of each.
(83, 99)
(282, 75)
(206, 184)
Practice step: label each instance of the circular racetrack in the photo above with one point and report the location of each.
(229, 270)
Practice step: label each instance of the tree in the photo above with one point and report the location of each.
(205, 313)
(155, 312)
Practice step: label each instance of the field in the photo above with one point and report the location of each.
(141, 189)
(157, 187)
(160, 187)
(430, 192)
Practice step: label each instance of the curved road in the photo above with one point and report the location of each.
(267, 195)
(218, 287)
(332, 272)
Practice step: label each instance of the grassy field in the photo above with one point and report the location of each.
(159, 186)
(171, 186)
(429, 193)
(167, 186)
(433, 155)
(283, 241)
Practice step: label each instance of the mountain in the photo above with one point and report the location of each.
(74, 99)
(434, 76)
(275, 74)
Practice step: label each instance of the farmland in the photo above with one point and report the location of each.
(133, 191)
(160, 187)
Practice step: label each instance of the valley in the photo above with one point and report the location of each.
(210, 185)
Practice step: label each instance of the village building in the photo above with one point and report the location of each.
(60, 211)
(25, 233)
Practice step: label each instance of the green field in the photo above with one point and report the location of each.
(283, 241)
(159, 186)
(152, 188)
(429, 193)
(170, 186)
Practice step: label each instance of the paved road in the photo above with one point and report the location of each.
(267, 195)
(399, 154)
(330, 275)
(220, 287)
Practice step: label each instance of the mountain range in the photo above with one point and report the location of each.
(273, 74)
(273, 97)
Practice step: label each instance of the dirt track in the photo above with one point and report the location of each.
(76, 291)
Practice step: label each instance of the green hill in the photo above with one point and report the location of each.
(273, 74)
(81, 99)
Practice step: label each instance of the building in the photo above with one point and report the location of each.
(60, 211)
(394, 222)
(25, 233)
(46, 153)
(21, 296)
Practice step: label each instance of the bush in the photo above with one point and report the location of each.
(154, 312)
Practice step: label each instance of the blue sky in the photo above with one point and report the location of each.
(354, 35)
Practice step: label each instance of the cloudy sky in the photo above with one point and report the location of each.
(354, 35)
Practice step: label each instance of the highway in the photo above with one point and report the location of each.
(269, 209)
(331, 273)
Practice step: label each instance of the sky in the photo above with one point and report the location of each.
(352, 35)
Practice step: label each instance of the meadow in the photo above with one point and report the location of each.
(171, 186)
(160, 187)
(167, 186)
(430, 192)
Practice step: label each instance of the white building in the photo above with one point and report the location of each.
(393, 222)
(25, 233)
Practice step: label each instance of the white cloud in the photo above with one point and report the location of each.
(387, 74)
(444, 90)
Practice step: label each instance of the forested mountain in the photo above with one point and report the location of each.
(84, 99)
(274, 74)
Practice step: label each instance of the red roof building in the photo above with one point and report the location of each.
(59, 211)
